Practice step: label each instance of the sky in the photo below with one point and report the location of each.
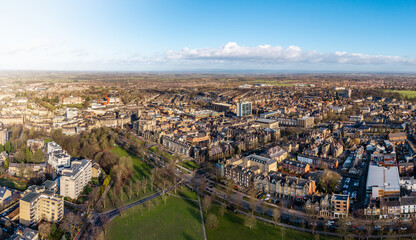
(201, 35)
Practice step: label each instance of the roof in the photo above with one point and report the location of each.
(387, 178)
(266, 120)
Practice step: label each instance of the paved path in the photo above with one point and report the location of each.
(202, 218)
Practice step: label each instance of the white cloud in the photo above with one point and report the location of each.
(232, 52)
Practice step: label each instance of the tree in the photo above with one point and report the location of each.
(222, 209)
(6, 163)
(328, 181)
(38, 156)
(70, 223)
(276, 216)
(8, 147)
(44, 230)
(212, 221)
(250, 221)
(1, 148)
(206, 203)
(28, 155)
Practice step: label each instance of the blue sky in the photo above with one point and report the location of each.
(152, 35)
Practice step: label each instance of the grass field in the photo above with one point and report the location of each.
(232, 227)
(189, 165)
(177, 219)
(141, 169)
(404, 93)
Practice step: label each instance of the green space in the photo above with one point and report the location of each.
(271, 82)
(231, 226)
(404, 93)
(177, 219)
(140, 168)
(191, 165)
(47, 140)
(11, 183)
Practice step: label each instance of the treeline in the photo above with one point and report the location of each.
(94, 145)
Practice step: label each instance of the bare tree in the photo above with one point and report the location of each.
(250, 221)
(44, 230)
(222, 209)
(206, 203)
(276, 216)
(71, 223)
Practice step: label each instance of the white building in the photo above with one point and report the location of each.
(243, 109)
(59, 159)
(53, 146)
(75, 178)
(383, 181)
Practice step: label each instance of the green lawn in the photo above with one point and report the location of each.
(47, 140)
(140, 168)
(404, 93)
(232, 227)
(189, 165)
(177, 219)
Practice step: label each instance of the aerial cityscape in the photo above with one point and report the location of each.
(207, 120)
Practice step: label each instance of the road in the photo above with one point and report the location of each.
(98, 220)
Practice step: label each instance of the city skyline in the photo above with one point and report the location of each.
(202, 36)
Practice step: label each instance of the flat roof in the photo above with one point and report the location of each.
(383, 177)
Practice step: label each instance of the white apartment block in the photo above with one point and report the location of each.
(59, 159)
(53, 146)
(75, 178)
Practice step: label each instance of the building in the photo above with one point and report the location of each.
(398, 138)
(305, 122)
(244, 109)
(265, 164)
(5, 195)
(4, 136)
(340, 205)
(346, 93)
(267, 123)
(383, 181)
(95, 170)
(59, 159)
(71, 113)
(75, 178)
(296, 167)
(52, 146)
(283, 186)
(35, 144)
(221, 107)
(112, 99)
(41, 203)
(25, 233)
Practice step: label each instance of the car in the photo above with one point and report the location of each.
(356, 183)
(346, 186)
(348, 180)
(348, 223)
(403, 228)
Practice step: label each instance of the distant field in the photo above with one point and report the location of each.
(272, 82)
(404, 93)
(177, 219)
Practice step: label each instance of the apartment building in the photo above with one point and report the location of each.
(75, 178)
(41, 203)
(59, 159)
(244, 109)
(4, 136)
(340, 205)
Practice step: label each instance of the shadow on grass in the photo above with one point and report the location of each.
(194, 206)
